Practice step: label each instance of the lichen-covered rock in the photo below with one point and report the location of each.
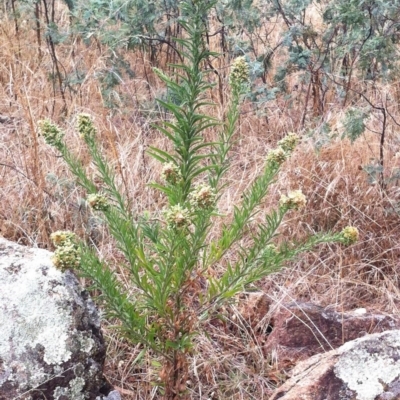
(51, 346)
(301, 330)
(367, 368)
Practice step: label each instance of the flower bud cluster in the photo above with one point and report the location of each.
(67, 254)
(61, 238)
(51, 133)
(239, 72)
(177, 217)
(350, 235)
(202, 197)
(98, 202)
(277, 156)
(171, 173)
(294, 200)
(85, 127)
(289, 142)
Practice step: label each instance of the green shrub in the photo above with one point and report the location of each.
(169, 257)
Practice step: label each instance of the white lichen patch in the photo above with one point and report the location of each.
(73, 392)
(34, 309)
(86, 343)
(370, 363)
(28, 372)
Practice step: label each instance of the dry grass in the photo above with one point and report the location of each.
(39, 196)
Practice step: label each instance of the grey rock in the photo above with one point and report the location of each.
(113, 395)
(51, 346)
(4, 119)
(367, 368)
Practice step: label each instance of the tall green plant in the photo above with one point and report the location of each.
(170, 259)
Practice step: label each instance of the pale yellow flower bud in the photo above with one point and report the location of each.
(289, 142)
(202, 197)
(294, 200)
(239, 72)
(66, 257)
(98, 202)
(171, 173)
(177, 217)
(61, 238)
(350, 235)
(85, 127)
(51, 133)
(67, 254)
(276, 156)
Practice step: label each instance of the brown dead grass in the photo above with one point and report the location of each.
(38, 196)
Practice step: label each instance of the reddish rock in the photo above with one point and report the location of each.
(301, 330)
